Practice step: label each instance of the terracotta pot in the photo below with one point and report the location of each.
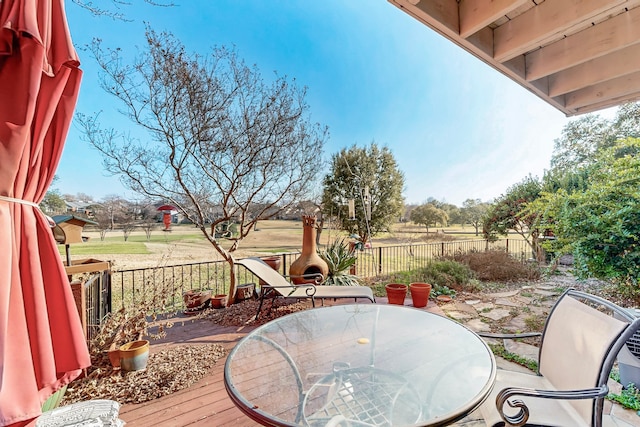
(420, 294)
(196, 299)
(396, 293)
(443, 298)
(114, 358)
(273, 261)
(219, 301)
(134, 355)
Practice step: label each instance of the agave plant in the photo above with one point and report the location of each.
(339, 259)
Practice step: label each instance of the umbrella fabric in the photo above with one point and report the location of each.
(42, 345)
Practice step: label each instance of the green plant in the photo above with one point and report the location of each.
(339, 259)
(629, 397)
(447, 272)
(437, 290)
(500, 351)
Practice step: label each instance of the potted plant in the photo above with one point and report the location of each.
(420, 293)
(219, 301)
(134, 355)
(396, 293)
(339, 259)
(196, 300)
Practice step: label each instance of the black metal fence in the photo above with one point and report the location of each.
(164, 285)
(98, 300)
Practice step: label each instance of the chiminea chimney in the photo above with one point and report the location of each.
(309, 262)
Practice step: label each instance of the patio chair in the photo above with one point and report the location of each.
(579, 344)
(278, 286)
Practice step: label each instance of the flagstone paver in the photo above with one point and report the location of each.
(503, 294)
(507, 302)
(478, 325)
(496, 314)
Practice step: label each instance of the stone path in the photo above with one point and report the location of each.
(516, 311)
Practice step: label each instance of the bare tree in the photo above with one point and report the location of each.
(220, 138)
(109, 211)
(114, 9)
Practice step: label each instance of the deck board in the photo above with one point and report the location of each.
(205, 403)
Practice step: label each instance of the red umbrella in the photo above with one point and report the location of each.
(42, 345)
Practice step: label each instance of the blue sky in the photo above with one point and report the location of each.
(457, 128)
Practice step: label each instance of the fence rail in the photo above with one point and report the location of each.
(131, 287)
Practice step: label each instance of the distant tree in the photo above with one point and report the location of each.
(580, 140)
(473, 212)
(220, 139)
(429, 215)
(509, 213)
(107, 212)
(371, 178)
(53, 203)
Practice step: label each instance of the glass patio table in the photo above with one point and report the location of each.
(359, 365)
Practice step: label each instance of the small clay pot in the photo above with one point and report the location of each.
(443, 298)
(219, 301)
(114, 358)
(134, 355)
(396, 293)
(420, 294)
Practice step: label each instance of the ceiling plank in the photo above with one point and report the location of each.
(609, 103)
(616, 33)
(602, 92)
(551, 18)
(597, 70)
(477, 14)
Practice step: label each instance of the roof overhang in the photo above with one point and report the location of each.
(578, 55)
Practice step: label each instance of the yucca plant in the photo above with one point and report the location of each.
(339, 259)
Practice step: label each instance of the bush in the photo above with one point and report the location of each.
(496, 265)
(442, 273)
(447, 273)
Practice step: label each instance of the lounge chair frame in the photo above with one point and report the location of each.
(278, 286)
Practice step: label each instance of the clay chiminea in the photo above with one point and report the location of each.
(309, 261)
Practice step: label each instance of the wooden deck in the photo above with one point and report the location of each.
(205, 403)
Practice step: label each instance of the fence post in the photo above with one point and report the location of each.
(442, 249)
(380, 260)
(507, 244)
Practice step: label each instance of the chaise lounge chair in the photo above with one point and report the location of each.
(278, 286)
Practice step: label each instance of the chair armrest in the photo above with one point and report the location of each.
(510, 336)
(522, 416)
(310, 289)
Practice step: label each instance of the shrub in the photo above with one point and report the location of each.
(447, 273)
(496, 265)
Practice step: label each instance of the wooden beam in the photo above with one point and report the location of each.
(616, 33)
(621, 87)
(617, 64)
(606, 104)
(551, 18)
(477, 14)
(440, 14)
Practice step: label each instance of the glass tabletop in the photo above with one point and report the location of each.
(359, 365)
